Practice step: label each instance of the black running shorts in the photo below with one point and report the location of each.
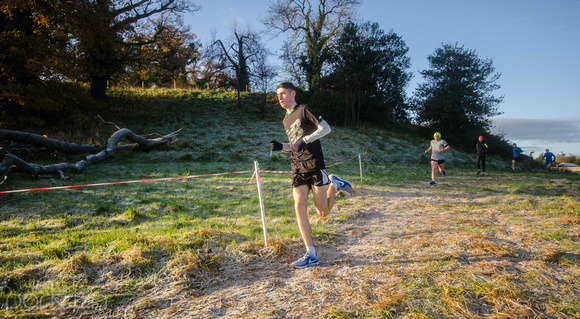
(317, 178)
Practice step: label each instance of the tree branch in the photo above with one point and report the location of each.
(39, 140)
(12, 163)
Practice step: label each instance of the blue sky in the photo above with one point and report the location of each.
(534, 44)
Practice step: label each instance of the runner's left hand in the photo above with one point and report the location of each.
(298, 146)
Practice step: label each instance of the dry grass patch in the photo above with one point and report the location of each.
(76, 264)
(562, 258)
(132, 262)
(18, 278)
(480, 244)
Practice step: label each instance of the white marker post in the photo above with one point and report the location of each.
(360, 167)
(258, 183)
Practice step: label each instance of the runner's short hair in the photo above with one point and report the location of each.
(287, 86)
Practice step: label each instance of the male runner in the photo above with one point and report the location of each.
(481, 147)
(549, 157)
(304, 128)
(516, 151)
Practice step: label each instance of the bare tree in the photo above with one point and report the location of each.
(263, 73)
(262, 76)
(292, 66)
(209, 71)
(240, 53)
(314, 28)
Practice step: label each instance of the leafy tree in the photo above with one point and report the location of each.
(34, 55)
(370, 71)
(163, 58)
(457, 96)
(176, 49)
(33, 43)
(210, 73)
(314, 28)
(102, 30)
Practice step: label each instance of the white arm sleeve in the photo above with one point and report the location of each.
(322, 130)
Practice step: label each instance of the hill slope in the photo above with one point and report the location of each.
(217, 129)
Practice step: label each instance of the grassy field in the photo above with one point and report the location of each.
(501, 246)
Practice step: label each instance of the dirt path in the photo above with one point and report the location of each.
(386, 241)
(350, 266)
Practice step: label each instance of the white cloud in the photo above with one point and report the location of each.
(537, 135)
(561, 131)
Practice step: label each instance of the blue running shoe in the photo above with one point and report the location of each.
(432, 182)
(444, 173)
(340, 184)
(306, 261)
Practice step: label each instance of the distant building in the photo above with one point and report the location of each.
(569, 167)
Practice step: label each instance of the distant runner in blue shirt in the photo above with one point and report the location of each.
(549, 157)
(516, 157)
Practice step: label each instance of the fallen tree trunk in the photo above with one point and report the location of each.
(12, 163)
(52, 144)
